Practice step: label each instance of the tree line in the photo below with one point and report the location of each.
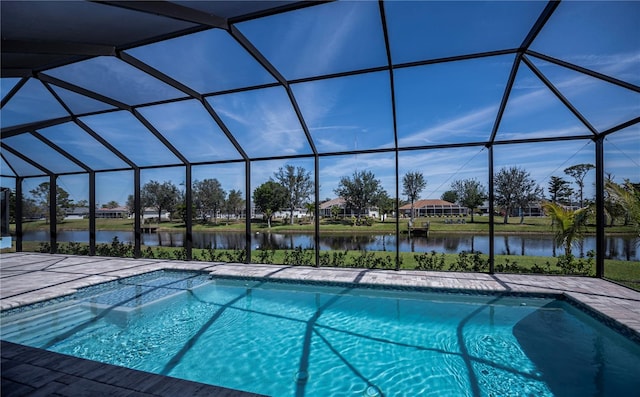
(209, 200)
(291, 187)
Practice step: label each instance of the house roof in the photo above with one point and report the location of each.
(77, 210)
(429, 203)
(336, 201)
(116, 209)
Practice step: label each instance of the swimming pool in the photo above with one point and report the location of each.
(293, 339)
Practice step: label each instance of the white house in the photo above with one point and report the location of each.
(152, 213)
(344, 211)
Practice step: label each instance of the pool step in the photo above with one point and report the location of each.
(38, 329)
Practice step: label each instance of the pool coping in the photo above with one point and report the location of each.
(28, 278)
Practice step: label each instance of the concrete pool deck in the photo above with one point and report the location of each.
(27, 278)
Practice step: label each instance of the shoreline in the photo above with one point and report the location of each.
(328, 231)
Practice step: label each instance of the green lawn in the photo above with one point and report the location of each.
(437, 224)
(624, 272)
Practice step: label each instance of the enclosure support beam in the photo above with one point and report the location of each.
(247, 217)
(316, 208)
(188, 244)
(396, 204)
(600, 211)
(139, 213)
(92, 213)
(18, 214)
(53, 207)
(491, 211)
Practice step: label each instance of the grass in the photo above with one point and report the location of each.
(627, 273)
(480, 225)
(623, 272)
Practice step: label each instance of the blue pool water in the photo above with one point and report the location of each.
(286, 339)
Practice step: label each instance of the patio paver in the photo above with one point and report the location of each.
(27, 278)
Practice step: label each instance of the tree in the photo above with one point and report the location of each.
(161, 196)
(12, 205)
(209, 198)
(41, 197)
(181, 210)
(559, 190)
(111, 204)
(234, 202)
(361, 191)
(413, 184)
(628, 196)
(578, 172)
(450, 196)
(31, 209)
(131, 206)
(386, 205)
(269, 198)
(311, 210)
(612, 207)
(569, 223)
(298, 183)
(514, 188)
(470, 193)
(335, 211)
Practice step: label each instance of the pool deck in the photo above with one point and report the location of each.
(27, 278)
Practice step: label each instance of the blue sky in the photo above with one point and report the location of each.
(436, 104)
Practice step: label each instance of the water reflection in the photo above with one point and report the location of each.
(617, 247)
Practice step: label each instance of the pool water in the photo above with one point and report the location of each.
(288, 339)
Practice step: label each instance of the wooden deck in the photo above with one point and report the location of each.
(423, 229)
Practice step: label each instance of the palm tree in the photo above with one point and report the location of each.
(569, 224)
(311, 210)
(627, 196)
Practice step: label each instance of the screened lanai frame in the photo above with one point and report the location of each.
(276, 76)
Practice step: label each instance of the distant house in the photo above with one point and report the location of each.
(433, 208)
(344, 211)
(533, 209)
(298, 213)
(112, 213)
(76, 213)
(152, 213)
(83, 213)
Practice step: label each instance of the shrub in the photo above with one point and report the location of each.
(44, 248)
(370, 260)
(333, 258)
(211, 255)
(116, 248)
(148, 253)
(238, 256)
(545, 269)
(509, 267)
(73, 248)
(568, 264)
(298, 257)
(430, 261)
(265, 256)
(470, 262)
(180, 254)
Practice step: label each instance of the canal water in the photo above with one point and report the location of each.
(617, 247)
